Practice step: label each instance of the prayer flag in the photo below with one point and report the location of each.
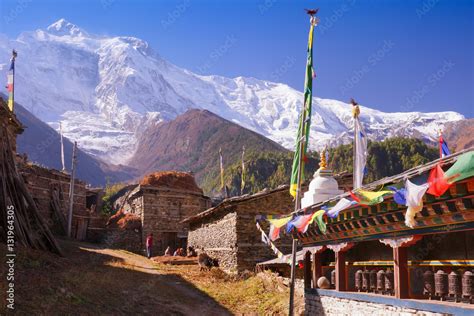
(443, 147)
(318, 217)
(11, 82)
(463, 168)
(414, 195)
(279, 222)
(360, 154)
(300, 222)
(302, 136)
(399, 195)
(414, 198)
(437, 181)
(370, 198)
(340, 205)
(274, 232)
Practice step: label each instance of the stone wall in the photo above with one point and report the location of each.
(41, 182)
(251, 249)
(162, 210)
(218, 237)
(316, 304)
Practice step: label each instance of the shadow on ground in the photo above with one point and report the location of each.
(91, 281)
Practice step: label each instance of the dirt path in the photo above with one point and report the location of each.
(91, 280)
(199, 303)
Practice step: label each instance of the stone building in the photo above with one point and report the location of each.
(49, 188)
(162, 204)
(47, 185)
(228, 231)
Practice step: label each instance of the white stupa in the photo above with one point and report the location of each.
(322, 187)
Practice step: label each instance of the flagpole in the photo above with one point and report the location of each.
(354, 145)
(14, 54)
(62, 147)
(301, 145)
(242, 180)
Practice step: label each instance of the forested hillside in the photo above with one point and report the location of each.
(269, 170)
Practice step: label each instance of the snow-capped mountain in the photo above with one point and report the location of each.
(106, 90)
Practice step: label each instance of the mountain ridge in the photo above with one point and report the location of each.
(106, 91)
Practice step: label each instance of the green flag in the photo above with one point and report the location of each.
(463, 168)
(305, 119)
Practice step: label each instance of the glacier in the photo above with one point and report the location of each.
(107, 90)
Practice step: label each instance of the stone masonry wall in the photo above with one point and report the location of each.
(41, 183)
(251, 249)
(329, 306)
(164, 209)
(218, 238)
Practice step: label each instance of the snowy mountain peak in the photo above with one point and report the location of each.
(63, 27)
(107, 90)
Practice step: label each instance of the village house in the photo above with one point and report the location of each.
(49, 188)
(228, 231)
(161, 201)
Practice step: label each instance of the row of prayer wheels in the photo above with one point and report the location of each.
(442, 285)
(377, 282)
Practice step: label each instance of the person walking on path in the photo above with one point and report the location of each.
(149, 244)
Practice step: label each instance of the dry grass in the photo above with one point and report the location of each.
(91, 281)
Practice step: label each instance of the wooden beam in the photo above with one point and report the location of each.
(400, 272)
(307, 270)
(340, 271)
(317, 269)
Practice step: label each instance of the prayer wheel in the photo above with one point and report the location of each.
(373, 280)
(441, 284)
(381, 281)
(365, 280)
(358, 280)
(468, 286)
(454, 285)
(333, 278)
(428, 283)
(389, 282)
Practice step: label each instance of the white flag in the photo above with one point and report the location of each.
(414, 198)
(360, 158)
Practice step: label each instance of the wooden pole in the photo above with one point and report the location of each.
(307, 270)
(301, 143)
(400, 271)
(317, 269)
(340, 271)
(62, 147)
(71, 191)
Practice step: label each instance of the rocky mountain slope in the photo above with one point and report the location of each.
(42, 145)
(191, 142)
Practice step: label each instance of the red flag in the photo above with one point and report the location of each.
(437, 181)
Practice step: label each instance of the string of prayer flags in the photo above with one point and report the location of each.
(276, 251)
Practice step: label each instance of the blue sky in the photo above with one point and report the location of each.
(389, 55)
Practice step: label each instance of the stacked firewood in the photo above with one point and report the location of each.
(29, 228)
